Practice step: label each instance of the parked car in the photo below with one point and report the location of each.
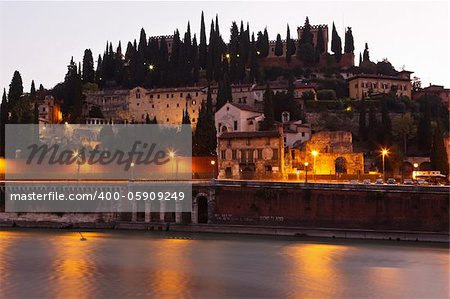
(391, 181)
(422, 182)
(367, 182)
(379, 182)
(408, 182)
(354, 182)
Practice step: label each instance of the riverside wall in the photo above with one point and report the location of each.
(343, 206)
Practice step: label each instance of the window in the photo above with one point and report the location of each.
(243, 155)
(235, 125)
(303, 134)
(167, 96)
(233, 154)
(248, 141)
(158, 96)
(250, 155)
(193, 120)
(223, 154)
(171, 95)
(275, 153)
(181, 94)
(138, 95)
(153, 106)
(167, 120)
(194, 102)
(196, 94)
(178, 104)
(151, 96)
(260, 154)
(167, 105)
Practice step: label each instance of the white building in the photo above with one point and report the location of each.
(234, 117)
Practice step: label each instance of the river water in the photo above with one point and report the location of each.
(111, 264)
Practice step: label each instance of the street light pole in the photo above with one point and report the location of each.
(306, 175)
(384, 153)
(213, 163)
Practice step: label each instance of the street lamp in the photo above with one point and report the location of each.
(384, 153)
(306, 169)
(172, 157)
(315, 154)
(416, 165)
(213, 163)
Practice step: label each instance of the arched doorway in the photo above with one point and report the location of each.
(340, 165)
(202, 208)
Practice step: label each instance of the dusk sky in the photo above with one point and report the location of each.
(38, 38)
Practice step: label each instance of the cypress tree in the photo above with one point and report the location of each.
(424, 130)
(253, 60)
(278, 46)
(360, 59)
(15, 88)
(386, 123)
(4, 117)
(265, 49)
(88, 67)
(366, 57)
(320, 45)
(438, 155)
(289, 44)
(306, 52)
(202, 51)
(373, 126)
(195, 60)
(362, 120)
(336, 44)
(349, 44)
(269, 119)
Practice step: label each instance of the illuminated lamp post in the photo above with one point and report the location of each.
(416, 166)
(384, 153)
(213, 163)
(306, 169)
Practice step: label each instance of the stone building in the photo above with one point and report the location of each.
(234, 117)
(365, 85)
(437, 90)
(314, 32)
(49, 111)
(167, 104)
(250, 155)
(295, 131)
(111, 103)
(334, 154)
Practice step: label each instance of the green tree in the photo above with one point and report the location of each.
(349, 44)
(269, 119)
(306, 52)
(290, 46)
(336, 44)
(438, 155)
(404, 129)
(366, 56)
(278, 46)
(362, 120)
(73, 93)
(88, 67)
(424, 129)
(4, 117)
(202, 50)
(320, 46)
(386, 122)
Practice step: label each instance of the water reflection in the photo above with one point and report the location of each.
(57, 264)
